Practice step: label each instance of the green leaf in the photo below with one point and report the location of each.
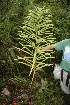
(36, 31)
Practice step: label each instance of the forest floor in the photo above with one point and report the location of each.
(43, 91)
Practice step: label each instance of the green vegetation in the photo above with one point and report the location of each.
(25, 26)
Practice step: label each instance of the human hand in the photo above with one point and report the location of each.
(38, 50)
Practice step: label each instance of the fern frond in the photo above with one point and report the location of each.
(36, 32)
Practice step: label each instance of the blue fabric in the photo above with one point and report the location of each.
(67, 56)
(67, 53)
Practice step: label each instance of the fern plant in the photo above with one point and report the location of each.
(35, 32)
